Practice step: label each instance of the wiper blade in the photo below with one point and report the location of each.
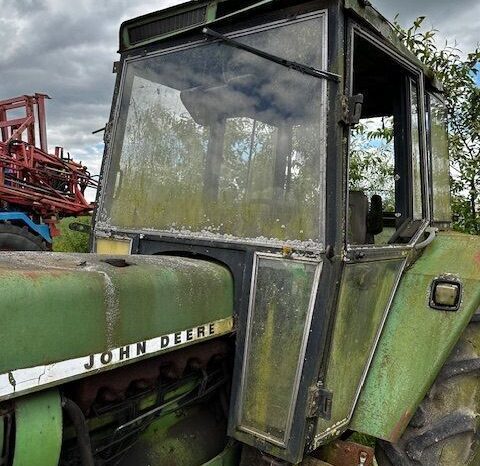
(276, 59)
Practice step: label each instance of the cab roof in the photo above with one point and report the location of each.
(191, 16)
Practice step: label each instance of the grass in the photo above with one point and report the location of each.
(71, 241)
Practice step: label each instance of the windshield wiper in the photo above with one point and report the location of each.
(268, 56)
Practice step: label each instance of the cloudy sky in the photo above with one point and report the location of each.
(66, 49)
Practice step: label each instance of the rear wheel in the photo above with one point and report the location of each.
(15, 238)
(444, 430)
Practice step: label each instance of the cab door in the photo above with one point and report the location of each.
(386, 215)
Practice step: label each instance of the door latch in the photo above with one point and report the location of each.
(319, 402)
(352, 109)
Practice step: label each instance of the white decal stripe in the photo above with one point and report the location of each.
(21, 381)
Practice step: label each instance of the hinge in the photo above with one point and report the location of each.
(352, 109)
(319, 402)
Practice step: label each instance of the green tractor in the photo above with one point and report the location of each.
(267, 286)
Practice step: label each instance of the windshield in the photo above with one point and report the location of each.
(215, 141)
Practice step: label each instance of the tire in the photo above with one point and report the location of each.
(444, 430)
(15, 238)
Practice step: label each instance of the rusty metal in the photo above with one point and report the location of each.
(309, 461)
(341, 453)
(112, 387)
(44, 185)
(252, 456)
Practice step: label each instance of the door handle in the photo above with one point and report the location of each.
(432, 231)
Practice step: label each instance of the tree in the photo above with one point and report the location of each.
(462, 95)
(371, 167)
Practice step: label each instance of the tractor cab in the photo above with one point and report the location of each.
(303, 147)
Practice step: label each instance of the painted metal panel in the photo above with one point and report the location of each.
(417, 339)
(229, 457)
(42, 230)
(60, 307)
(38, 429)
(19, 381)
(113, 246)
(366, 292)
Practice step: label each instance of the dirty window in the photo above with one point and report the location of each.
(218, 142)
(278, 325)
(364, 299)
(439, 160)
(416, 154)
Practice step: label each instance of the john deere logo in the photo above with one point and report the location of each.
(24, 380)
(141, 348)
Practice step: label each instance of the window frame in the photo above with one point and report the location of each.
(240, 426)
(322, 214)
(360, 251)
(429, 94)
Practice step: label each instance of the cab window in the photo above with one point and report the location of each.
(385, 195)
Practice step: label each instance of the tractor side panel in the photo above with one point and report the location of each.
(417, 339)
(229, 457)
(365, 294)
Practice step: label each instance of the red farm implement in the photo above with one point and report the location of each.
(40, 186)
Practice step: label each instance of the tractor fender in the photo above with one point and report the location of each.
(417, 339)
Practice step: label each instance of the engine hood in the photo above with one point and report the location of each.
(65, 316)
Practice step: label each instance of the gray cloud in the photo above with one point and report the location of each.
(66, 50)
(456, 21)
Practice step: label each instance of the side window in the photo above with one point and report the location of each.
(385, 157)
(371, 180)
(417, 204)
(438, 158)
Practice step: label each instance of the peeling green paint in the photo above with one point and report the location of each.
(417, 339)
(365, 293)
(57, 307)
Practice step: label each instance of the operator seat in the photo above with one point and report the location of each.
(357, 217)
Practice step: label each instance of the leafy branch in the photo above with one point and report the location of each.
(458, 73)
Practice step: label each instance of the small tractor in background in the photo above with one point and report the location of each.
(37, 188)
(260, 291)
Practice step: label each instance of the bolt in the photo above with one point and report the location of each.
(363, 458)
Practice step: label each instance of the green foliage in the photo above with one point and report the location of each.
(71, 241)
(371, 166)
(363, 439)
(457, 73)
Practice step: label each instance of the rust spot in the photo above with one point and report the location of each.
(476, 257)
(341, 453)
(38, 275)
(400, 426)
